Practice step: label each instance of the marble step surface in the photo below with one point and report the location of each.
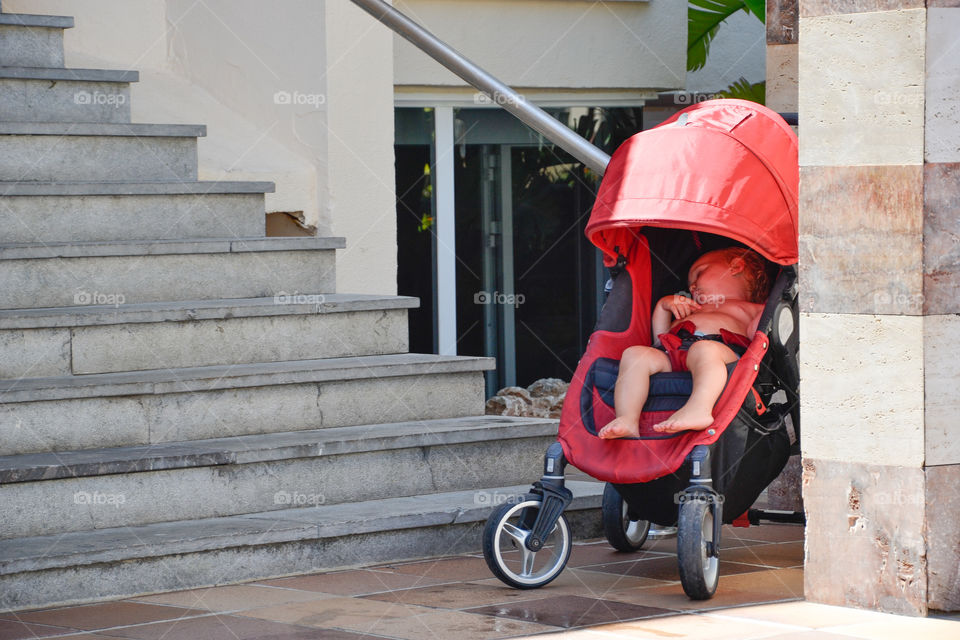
(91, 565)
(48, 274)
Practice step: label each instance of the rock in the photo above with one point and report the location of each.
(518, 392)
(547, 406)
(548, 387)
(506, 406)
(542, 399)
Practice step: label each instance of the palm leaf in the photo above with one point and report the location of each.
(743, 90)
(704, 17)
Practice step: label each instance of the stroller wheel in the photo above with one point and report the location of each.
(699, 571)
(622, 533)
(506, 554)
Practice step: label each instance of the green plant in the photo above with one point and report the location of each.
(704, 18)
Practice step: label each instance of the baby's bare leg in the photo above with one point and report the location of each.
(707, 361)
(637, 364)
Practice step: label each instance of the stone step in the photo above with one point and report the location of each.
(82, 151)
(267, 472)
(92, 565)
(36, 275)
(38, 94)
(64, 341)
(65, 413)
(104, 211)
(28, 40)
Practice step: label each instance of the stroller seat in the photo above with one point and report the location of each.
(668, 392)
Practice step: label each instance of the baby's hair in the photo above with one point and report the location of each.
(754, 271)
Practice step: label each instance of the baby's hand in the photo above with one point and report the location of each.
(678, 306)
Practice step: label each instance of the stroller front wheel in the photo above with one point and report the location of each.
(699, 569)
(505, 551)
(621, 532)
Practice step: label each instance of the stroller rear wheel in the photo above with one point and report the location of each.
(505, 551)
(699, 569)
(622, 533)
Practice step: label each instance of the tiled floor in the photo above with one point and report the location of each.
(601, 595)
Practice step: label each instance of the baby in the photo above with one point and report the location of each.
(728, 288)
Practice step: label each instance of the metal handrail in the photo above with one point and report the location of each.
(531, 115)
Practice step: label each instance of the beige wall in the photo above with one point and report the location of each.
(552, 43)
(229, 64)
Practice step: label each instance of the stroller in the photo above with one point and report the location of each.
(720, 173)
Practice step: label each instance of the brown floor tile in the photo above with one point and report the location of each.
(89, 617)
(458, 568)
(82, 636)
(766, 532)
(783, 554)
(570, 611)
(779, 583)
(582, 555)
(232, 598)
(444, 625)
(456, 596)
(577, 582)
(353, 583)
(227, 628)
(673, 597)
(13, 629)
(664, 568)
(357, 614)
(729, 538)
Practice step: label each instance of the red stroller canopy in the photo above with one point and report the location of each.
(727, 167)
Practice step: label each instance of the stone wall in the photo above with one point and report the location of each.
(879, 105)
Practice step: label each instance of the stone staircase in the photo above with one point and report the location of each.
(186, 402)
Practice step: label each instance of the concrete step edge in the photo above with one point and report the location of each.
(20, 555)
(138, 130)
(99, 249)
(210, 378)
(284, 303)
(63, 73)
(201, 187)
(34, 20)
(32, 467)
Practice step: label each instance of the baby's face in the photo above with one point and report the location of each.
(710, 275)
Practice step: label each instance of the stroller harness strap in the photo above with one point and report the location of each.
(684, 335)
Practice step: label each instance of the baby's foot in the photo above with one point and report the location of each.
(620, 428)
(685, 418)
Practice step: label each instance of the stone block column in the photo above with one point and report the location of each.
(879, 104)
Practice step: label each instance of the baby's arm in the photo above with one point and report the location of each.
(668, 308)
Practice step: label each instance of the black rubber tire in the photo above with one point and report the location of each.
(699, 573)
(622, 533)
(521, 516)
